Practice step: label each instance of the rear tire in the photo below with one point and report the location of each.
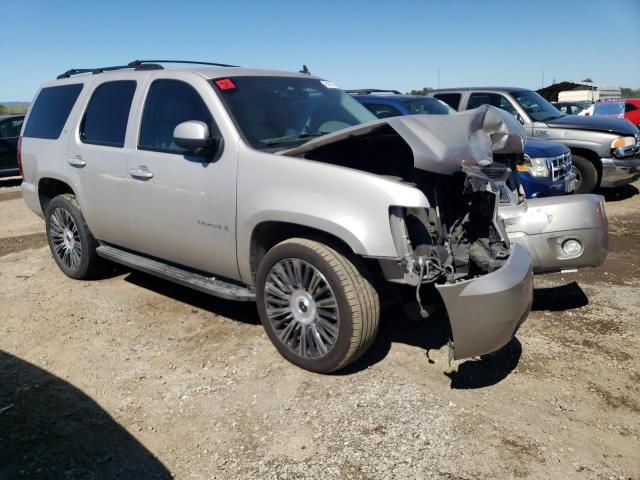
(317, 308)
(70, 240)
(586, 174)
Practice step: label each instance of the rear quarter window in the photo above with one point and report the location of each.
(51, 110)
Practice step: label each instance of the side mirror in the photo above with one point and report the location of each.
(194, 136)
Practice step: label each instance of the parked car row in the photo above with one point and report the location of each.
(628, 108)
(546, 167)
(280, 188)
(604, 150)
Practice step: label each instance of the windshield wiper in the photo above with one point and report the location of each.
(293, 138)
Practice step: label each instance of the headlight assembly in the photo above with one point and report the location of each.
(537, 167)
(622, 142)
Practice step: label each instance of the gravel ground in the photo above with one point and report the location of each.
(131, 377)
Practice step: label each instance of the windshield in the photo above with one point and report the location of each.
(537, 107)
(285, 111)
(612, 109)
(429, 106)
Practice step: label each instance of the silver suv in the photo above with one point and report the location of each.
(211, 177)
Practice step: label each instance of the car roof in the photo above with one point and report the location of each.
(206, 72)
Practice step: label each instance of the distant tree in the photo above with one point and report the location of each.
(3, 109)
(424, 91)
(588, 79)
(629, 92)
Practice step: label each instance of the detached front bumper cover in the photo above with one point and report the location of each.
(485, 312)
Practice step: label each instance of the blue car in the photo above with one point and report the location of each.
(546, 170)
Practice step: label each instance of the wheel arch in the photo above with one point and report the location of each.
(590, 155)
(49, 188)
(268, 234)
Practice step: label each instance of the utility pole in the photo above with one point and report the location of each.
(542, 84)
(438, 76)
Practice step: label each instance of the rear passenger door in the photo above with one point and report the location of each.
(181, 205)
(97, 157)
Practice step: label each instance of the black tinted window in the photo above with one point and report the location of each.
(169, 103)
(382, 111)
(629, 107)
(494, 99)
(429, 106)
(50, 111)
(11, 127)
(105, 121)
(451, 99)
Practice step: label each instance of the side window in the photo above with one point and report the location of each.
(169, 103)
(10, 128)
(51, 110)
(451, 99)
(105, 121)
(629, 107)
(382, 111)
(494, 99)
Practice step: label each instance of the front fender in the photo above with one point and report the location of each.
(349, 204)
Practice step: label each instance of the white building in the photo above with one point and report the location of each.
(591, 92)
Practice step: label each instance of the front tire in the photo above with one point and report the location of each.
(70, 240)
(317, 308)
(586, 174)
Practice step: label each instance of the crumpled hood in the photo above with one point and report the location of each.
(440, 143)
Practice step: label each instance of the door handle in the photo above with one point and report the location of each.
(76, 162)
(141, 173)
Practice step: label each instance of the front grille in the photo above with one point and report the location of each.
(559, 165)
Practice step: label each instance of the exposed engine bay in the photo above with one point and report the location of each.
(450, 160)
(461, 236)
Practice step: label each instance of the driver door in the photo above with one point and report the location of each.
(182, 205)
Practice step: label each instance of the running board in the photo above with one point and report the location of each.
(202, 283)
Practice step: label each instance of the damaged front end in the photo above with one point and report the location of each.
(456, 251)
(459, 250)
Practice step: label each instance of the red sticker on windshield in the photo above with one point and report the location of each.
(225, 84)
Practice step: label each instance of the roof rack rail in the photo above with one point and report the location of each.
(137, 63)
(78, 71)
(369, 91)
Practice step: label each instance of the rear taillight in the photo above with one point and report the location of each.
(20, 155)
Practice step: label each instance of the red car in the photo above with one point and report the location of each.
(628, 108)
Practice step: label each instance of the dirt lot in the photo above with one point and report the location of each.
(130, 377)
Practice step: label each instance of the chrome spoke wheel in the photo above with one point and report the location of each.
(302, 307)
(578, 175)
(65, 238)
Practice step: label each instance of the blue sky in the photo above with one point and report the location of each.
(356, 44)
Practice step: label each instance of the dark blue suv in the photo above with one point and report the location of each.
(547, 167)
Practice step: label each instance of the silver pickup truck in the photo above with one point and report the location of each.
(211, 177)
(605, 151)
